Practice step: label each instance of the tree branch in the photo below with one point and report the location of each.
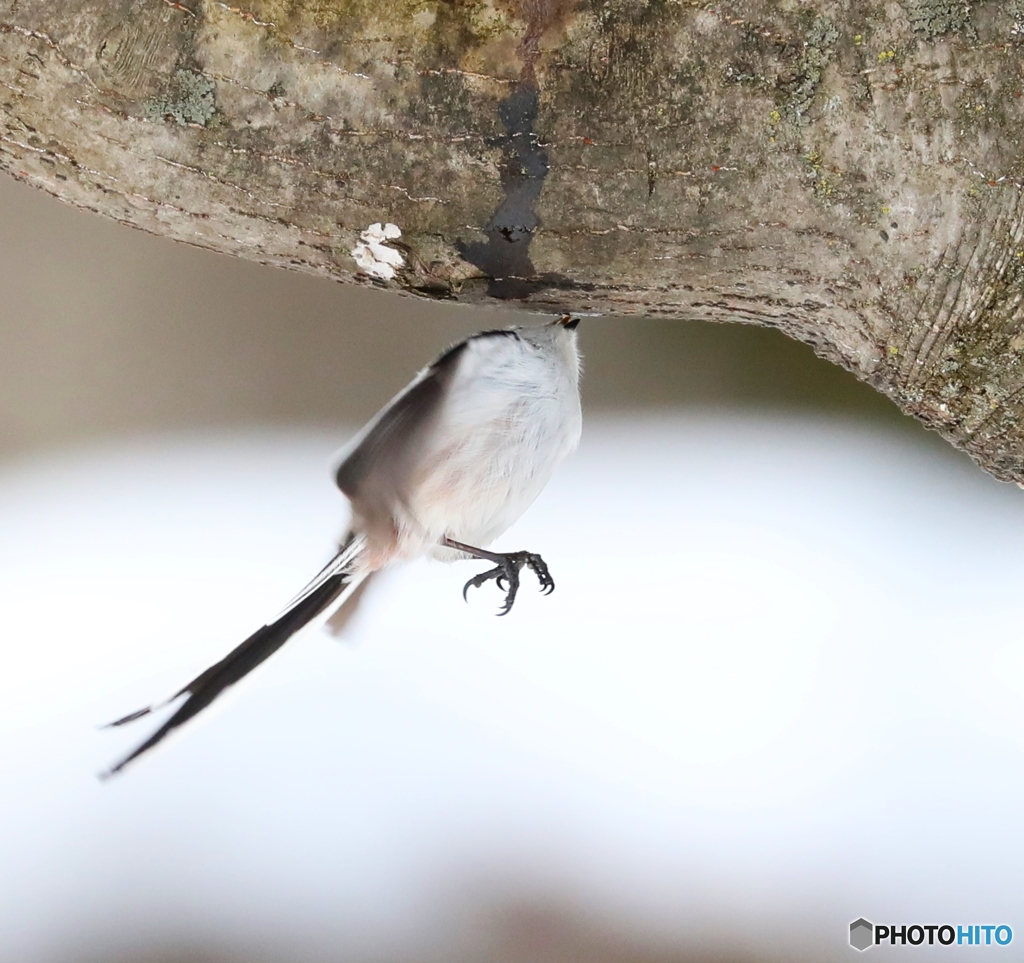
(850, 174)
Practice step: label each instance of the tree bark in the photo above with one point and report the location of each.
(848, 171)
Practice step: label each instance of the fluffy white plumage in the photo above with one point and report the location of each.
(467, 447)
(444, 468)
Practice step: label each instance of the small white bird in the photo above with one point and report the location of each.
(443, 469)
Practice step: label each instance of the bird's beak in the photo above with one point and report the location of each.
(568, 321)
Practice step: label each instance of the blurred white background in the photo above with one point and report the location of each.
(779, 685)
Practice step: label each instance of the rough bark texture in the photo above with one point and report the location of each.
(848, 171)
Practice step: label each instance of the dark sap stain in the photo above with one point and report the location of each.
(505, 256)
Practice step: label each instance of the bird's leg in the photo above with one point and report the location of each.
(507, 569)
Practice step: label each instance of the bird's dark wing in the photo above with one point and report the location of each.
(381, 457)
(375, 472)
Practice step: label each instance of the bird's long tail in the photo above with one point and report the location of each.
(340, 577)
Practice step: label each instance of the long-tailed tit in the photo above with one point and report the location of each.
(443, 469)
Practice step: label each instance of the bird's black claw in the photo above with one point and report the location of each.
(539, 567)
(506, 577)
(510, 575)
(498, 573)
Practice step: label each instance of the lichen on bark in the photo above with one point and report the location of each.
(935, 18)
(820, 39)
(188, 98)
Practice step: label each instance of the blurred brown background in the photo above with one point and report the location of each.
(105, 330)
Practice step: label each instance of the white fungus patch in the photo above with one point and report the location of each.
(374, 256)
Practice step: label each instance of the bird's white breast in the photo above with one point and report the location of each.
(511, 414)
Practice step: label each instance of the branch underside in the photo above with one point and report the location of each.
(848, 173)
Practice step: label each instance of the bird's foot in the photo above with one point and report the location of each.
(507, 571)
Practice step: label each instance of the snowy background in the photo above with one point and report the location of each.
(779, 685)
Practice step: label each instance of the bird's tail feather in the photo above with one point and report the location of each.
(344, 562)
(338, 578)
